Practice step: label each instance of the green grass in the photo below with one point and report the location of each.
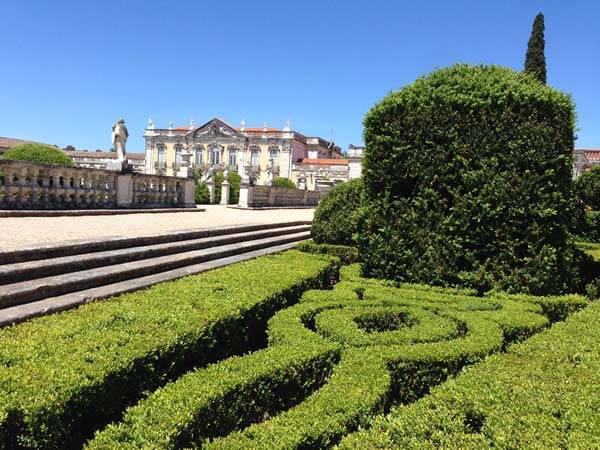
(591, 248)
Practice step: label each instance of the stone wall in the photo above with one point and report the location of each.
(276, 197)
(26, 185)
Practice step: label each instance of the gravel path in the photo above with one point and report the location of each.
(29, 231)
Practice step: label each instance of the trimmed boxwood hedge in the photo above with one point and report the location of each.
(65, 375)
(542, 393)
(347, 254)
(382, 345)
(40, 153)
(338, 216)
(468, 174)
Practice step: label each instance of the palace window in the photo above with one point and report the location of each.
(273, 155)
(215, 156)
(255, 157)
(232, 156)
(198, 158)
(178, 150)
(161, 156)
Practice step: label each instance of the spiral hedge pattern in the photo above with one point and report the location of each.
(333, 361)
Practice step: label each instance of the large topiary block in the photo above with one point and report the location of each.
(39, 153)
(469, 173)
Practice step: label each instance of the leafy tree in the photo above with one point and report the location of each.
(40, 153)
(201, 195)
(535, 60)
(587, 187)
(283, 182)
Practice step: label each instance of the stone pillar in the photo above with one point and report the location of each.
(188, 187)
(286, 164)
(124, 188)
(225, 193)
(244, 193)
(272, 191)
(211, 190)
(305, 198)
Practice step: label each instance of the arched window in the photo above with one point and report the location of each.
(178, 150)
(215, 155)
(255, 157)
(161, 156)
(273, 156)
(232, 156)
(199, 157)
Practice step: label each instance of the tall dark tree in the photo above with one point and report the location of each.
(535, 60)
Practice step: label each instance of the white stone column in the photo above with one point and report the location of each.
(211, 190)
(244, 193)
(225, 193)
(286, 164)
(188, 186)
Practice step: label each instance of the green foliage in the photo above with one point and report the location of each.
(201, 194)
(334, 360)
(535, 59)
(234, 187)
(542, 393)
(589, 226)
(338, 215)
(468, 171)
(587, 188)
(40, 153)
(347, 254)
(283, 182)
(65, 375)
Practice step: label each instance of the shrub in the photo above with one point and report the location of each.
(589, 226)
(65, 375)
(542, 393)
(283, 183)
(587, 187)
(367, 343)
(40, 153)
(347, 254)
(468, 171)
(337, 217)
(234, 186)
(201, 195)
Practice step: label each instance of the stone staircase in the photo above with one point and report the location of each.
(43, 280)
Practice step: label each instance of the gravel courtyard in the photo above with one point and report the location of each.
(30, 231)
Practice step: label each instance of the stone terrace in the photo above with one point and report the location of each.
(21, 232)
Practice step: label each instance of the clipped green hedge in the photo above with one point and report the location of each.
(40, 153)
(468, 174)
(355, 349)
(283, 182)
(542, 393)
(65, 375)
(347, 254)
(338, 216)
(587, 188)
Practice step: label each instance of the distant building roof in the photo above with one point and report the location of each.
(324, 162)
(6, 143)
(102, 155)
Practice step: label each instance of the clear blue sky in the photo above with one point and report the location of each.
(71, 68)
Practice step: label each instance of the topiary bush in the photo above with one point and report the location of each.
(338, 215)
(234, 186)
(587, 187)
(201, 194)
(469, 175)
(283, 182)
(40, 153)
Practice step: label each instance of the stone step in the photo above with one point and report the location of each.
(52, 286)
(82, 247)
(29, 270)
(23, 312)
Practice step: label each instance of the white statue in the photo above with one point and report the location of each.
(119, 139)
(269, 174)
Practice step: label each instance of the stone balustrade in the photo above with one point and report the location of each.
(27, 185)
(276, 197)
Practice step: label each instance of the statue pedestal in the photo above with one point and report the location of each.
(119, 166)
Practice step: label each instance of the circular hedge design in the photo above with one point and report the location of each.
(334, 360)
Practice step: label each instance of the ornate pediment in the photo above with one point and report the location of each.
(217, 128)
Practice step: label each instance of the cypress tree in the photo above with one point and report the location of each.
(535, 60)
